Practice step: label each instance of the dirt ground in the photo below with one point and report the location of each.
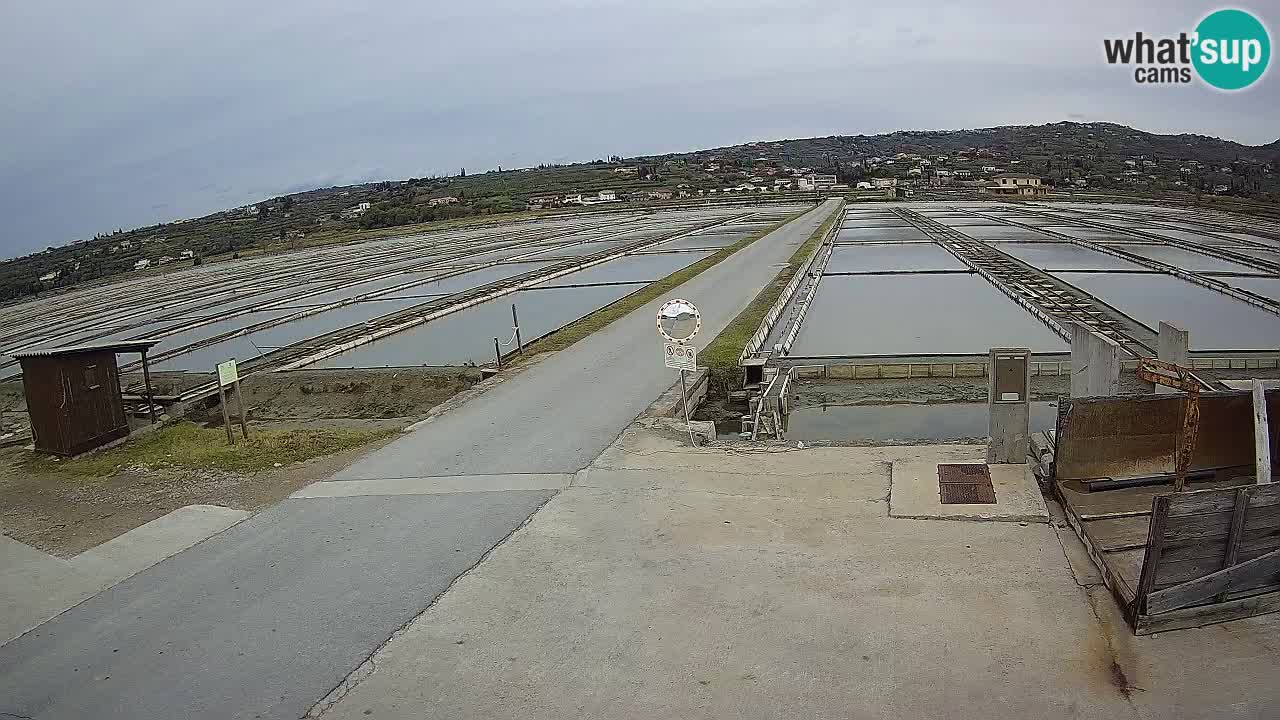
(65, 513)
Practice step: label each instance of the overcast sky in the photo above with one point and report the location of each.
(123, 113)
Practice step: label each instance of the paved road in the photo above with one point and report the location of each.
(558, 416)
(262, 620)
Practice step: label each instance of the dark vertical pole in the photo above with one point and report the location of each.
(516, 322)
(146, 379)
(497, 352)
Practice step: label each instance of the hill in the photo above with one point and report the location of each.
(1101, 155)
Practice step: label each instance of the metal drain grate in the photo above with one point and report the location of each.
(965, 484)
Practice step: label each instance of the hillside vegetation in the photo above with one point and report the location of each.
(1092, 155)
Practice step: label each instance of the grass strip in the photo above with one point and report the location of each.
(722, 353)
(188, 445)
(575, 331)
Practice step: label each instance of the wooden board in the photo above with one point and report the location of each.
(1202, 532)
(1208, 545)
(1136, 435)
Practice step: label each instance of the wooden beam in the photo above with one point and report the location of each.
(1155, 545)
(1201, 588)
(1261, 433)
(1234, 534)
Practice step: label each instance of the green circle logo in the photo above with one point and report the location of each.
(1232, 49)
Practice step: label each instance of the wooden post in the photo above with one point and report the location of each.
(244, 425)
(1261, 433)
(1236, 532)
(146, 379)
(226, 416)
(516, 322)
(497, 352)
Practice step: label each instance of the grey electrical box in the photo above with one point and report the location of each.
(1009, 377)
(1009, 405)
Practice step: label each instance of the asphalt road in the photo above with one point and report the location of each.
(559, 415)
(260, 621)
(264, 619)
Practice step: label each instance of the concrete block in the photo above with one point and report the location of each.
(1095, 363)
(1173, 344)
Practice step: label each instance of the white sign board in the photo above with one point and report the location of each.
(679, 356)
(227, 373)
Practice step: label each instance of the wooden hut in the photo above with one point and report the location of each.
(73, 394)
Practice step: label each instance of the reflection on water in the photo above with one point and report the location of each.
(938, 421)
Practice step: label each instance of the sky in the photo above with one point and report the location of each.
(125, 113)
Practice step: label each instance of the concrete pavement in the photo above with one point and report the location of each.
(267, 617)
(707, 583)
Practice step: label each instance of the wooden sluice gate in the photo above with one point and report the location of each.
(1175, 559)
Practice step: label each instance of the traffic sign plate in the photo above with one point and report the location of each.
(680, 356)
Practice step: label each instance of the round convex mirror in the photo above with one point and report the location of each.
(679, 320)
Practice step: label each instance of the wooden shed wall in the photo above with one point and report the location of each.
(74, 402)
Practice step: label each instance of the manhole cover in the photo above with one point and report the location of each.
(965, 484)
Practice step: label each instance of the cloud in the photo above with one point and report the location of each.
(133, 112)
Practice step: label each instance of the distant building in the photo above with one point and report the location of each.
(864, 185)
(447, 200)
(1017, 184)
(821, 182)
(142, 265)
(538, 202)
(607, 195)
(659, 194)
(628, 170)
(880, 183)
(165, 260)
(964, 174)
(572, 199)
(50, 277)
(188, 254)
